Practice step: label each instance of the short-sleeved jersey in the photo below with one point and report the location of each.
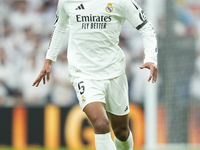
(94, 29)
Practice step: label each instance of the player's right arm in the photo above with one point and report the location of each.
(58, 36)
(45, 72)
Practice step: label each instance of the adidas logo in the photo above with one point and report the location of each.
(80, 7)
(126, 108)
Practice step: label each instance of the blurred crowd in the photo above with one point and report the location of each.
(187, 25)
(25, 30)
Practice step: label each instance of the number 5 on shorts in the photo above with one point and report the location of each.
(81, 87)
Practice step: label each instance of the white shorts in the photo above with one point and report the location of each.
(113, 92)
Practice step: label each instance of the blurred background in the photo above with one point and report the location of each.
(49, 116)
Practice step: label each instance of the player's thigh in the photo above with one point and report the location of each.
(97, 115)
(117, 102)
(119, 121)
(120, 125)
(91, 98)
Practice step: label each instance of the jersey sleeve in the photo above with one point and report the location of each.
(136, 16)
(59, 33)
(150, 43)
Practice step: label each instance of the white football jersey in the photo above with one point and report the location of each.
(94, 27)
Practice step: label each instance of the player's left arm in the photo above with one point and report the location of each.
(150, 50)
(136, 16)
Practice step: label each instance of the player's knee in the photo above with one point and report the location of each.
(101, 126)
(122, 133)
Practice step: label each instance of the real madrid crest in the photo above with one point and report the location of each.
(109, 8)
(83, 99)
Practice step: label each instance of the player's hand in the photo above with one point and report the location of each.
(153, 71)
(45, 72)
